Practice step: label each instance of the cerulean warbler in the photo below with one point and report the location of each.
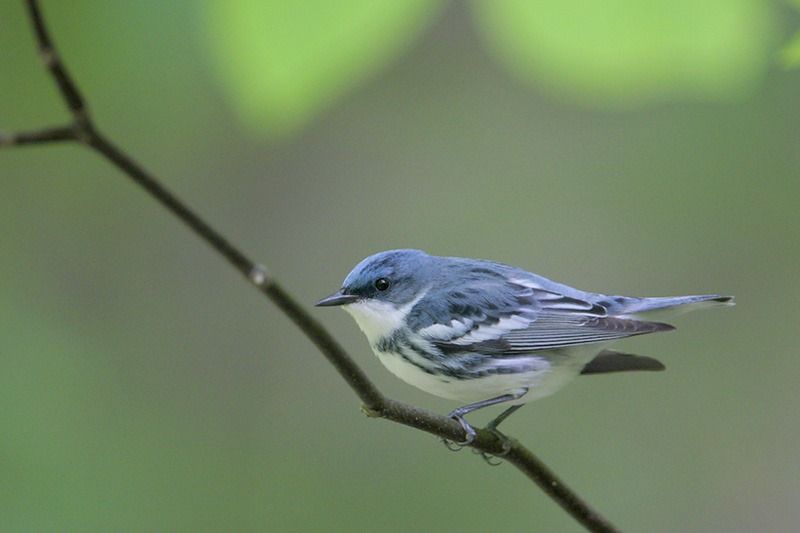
(488, 333)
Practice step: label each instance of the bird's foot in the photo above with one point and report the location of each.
(469, 433)
(493, 459)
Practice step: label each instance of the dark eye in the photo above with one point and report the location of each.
(381, 284)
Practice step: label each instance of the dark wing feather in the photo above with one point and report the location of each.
(550, 331)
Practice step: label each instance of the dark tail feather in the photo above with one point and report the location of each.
(611, 361)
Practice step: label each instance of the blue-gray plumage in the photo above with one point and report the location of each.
(489, 333)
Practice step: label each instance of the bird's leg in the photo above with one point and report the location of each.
(469, 431)
(491, 459)
(492, 426)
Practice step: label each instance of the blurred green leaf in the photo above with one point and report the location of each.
(624, 52)
(790, 54)
(283, 61)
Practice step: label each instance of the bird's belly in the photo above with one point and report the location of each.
(542, 376)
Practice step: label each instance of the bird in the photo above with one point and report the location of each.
(487, 333)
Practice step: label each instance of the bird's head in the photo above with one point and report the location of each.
(394, 277)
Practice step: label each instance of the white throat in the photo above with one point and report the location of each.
(378, 319)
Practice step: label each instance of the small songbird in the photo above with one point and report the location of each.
(488, 333)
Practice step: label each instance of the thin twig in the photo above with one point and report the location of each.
(46, 135)
(82, 129)
(50, 58)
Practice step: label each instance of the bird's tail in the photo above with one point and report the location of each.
(667, 306)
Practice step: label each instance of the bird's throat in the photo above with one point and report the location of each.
(377, 319)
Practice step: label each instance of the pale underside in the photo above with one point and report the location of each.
(548, 373)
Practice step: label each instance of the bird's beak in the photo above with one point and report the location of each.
(337, 298)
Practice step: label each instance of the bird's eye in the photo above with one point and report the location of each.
(381, 284)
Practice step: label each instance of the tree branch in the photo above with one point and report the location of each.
(82, 129)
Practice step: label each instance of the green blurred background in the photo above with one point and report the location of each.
(620, 146)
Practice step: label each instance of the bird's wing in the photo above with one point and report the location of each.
(513, 317)
(550, 330)
(516, 335)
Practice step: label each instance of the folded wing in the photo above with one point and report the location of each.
(524, 318)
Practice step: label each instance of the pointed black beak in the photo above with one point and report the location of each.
(337, 298)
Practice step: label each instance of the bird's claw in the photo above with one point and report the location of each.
(451, 445)
(504, 440)
(469, 433)
(490, 459)
(494, 459)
